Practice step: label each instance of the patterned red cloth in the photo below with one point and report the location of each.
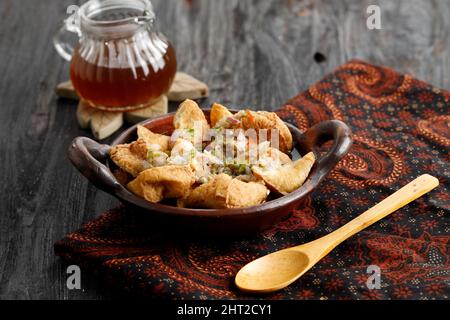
(401, 129)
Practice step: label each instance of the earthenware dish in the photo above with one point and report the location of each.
(92, 160)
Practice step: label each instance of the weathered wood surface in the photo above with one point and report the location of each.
(251, 53)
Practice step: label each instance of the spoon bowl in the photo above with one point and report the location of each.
(273, 271)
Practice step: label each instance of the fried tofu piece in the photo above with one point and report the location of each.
(276, 154)
(188, 115)
(152, 138)
(158, 183)
(268, 120)
(190, 124)
(288, 177)
(218, 112)
(139, 148)
(130, 157)
(225, 192)
(211, 194)
(255, 193)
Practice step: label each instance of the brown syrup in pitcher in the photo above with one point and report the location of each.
(121, 87)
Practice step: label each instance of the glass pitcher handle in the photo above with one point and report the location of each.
(62, 46)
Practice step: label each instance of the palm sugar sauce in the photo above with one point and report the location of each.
(133, 82)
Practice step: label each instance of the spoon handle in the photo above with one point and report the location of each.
(398, 199)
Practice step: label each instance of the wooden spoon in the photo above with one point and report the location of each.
(279, 269)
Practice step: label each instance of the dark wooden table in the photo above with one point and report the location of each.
(251, 53)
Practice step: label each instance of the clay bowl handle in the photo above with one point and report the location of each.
(314, 137)
(86, 155)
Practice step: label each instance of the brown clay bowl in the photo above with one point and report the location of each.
(92, 160)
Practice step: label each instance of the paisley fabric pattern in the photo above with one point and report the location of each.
(401, 129)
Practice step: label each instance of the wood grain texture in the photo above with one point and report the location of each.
(251, 54)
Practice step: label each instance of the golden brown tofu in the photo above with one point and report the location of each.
(139, 148)
(152, 138)
(158, 183)
(276, 154)
(225, 192)
(269, 120)
(288, 177)
(188, 114)
(254, 193)
(218, 112)
(130, 157)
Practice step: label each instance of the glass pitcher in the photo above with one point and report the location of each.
(120, 62)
